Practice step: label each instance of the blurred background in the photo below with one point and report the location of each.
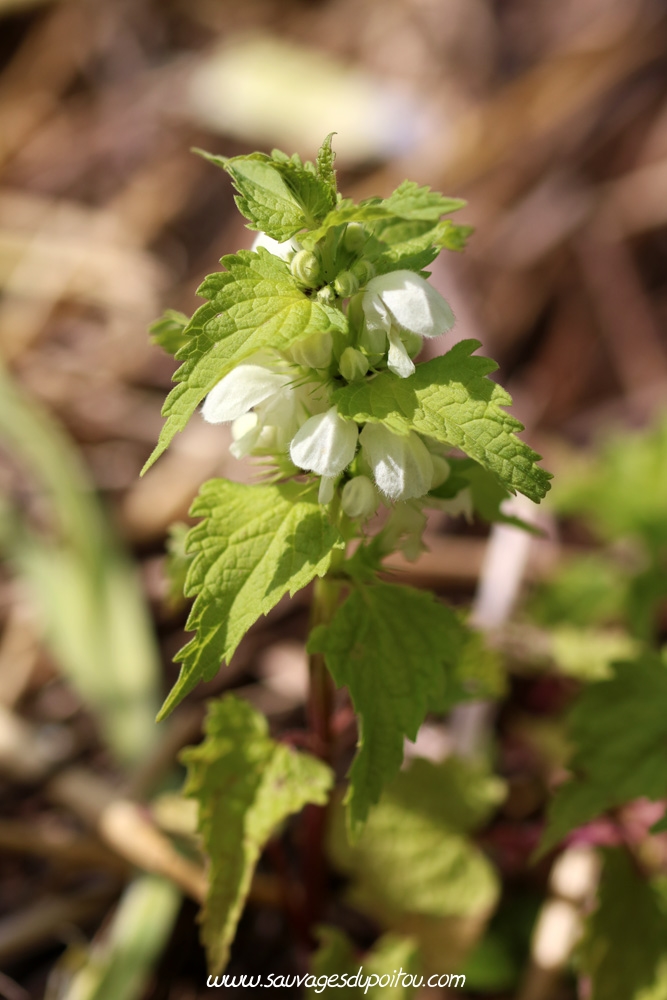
(551, 120)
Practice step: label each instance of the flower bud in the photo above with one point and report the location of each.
(353, 364)
(305, 267)
(359, 498)
(441, 470)
(315, 351)
(355, 314)
(373, 341)
(326, 295)
(355, 237)
(346, 284)
(363, 271)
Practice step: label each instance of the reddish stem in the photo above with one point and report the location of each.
(319, 709)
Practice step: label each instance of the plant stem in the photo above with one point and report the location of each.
(319, 708)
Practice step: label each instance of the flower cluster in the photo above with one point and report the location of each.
(280, 403)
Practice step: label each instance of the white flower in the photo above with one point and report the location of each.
(325, 444)
(402, 466)
(245, 386)
(402, 301)
(263, 403)
(283, 250)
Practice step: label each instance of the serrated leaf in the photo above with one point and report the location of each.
(246, 784)
(336, 956)
(169, 331)
(451, 400)
(410, 201)
(253, 305)
(394, 647)
(278, 194)
(418, 250)
(254, 545)
(414, 856)
(324, 165)
(625, 937)
(618, 728)
(411, 213)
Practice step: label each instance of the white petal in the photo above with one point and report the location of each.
(245, 431)
(413, 304)
(326, 491)
(375, 311)
(398, 360)
(325, 444)
(462, 503)
(402, 466)
(244, 387)
(282, 250)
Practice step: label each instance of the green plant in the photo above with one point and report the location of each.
(306, 345)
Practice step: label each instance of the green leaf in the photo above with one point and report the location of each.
(254, 544)
(418, 249)
(626, 936)
(121, 959)
(394, 647)
(451, 400)
(246, 784)
(619, 731)
(90, 607)
(325, 166)
(415, 856)
(389, 954)
(169, 331)
(410, 201)
(279, 195)
(411, 213)
(255, 304)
